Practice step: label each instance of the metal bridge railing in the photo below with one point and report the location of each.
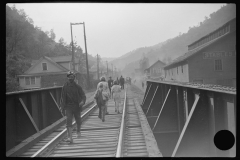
(28, 112)
(185, 117)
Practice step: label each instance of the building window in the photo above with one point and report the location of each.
(27, 81)
(33, 80)
(218, 65)
(44, 66)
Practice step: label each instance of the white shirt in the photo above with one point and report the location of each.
(116, 90)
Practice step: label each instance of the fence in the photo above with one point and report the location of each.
(185, 117)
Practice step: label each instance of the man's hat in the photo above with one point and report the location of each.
(70, 73)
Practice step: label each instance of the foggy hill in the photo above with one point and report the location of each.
(134, 55)
(177, 46)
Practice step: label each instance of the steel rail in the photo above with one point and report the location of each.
(50, 145)
(121, 133)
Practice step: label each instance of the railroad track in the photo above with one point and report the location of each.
(121, 135)
(60, 130)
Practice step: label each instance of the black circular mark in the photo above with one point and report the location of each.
(224, 140)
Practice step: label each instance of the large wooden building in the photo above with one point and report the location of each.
(209, 60)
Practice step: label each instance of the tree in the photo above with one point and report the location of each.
(52, 34)
(143, 63)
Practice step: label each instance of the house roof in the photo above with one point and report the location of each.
(154, 64)
(64, 59)
(194, 51)
(40, 74)
(48, 59)
(60, 59)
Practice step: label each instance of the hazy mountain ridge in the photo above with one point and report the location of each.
(134, 55)
(177, 46)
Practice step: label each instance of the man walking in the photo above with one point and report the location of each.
(121, 82)
(72, 100)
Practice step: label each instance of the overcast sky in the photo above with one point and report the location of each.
(113, 29)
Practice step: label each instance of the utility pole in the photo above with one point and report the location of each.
(97, 67)
(88, 80)
(73, 64)
(112, 69)
(107, 68)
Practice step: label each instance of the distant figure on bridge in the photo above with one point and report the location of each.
(110, 83)
(116, 90)
(130, 80)
(105, 92)
(122, 81)
(72, 100)
(117, 81)
(142, 84)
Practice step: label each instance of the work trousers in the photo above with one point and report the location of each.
(76, 112)
(117, 100)
(100, 112)
(103, 111)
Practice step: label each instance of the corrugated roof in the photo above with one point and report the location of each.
(227, 23)
(210, 87)
(192, 52)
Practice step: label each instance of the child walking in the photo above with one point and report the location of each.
(116, 90)
(98, 96)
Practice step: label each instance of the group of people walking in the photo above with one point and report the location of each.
(120, 81)
(73, 98)
(105, 91)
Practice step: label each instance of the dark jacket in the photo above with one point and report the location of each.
(122, 80)
(110, 83)
(99, 99)
(72, 95)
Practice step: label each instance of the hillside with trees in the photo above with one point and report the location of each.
(25, 43)
(177, 46)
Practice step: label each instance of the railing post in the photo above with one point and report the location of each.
(152, 99)
(146, 94)
(212, 122)
(185, 99)
(29, 115)
(161, 109)
(231, 124)
(186, 125)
